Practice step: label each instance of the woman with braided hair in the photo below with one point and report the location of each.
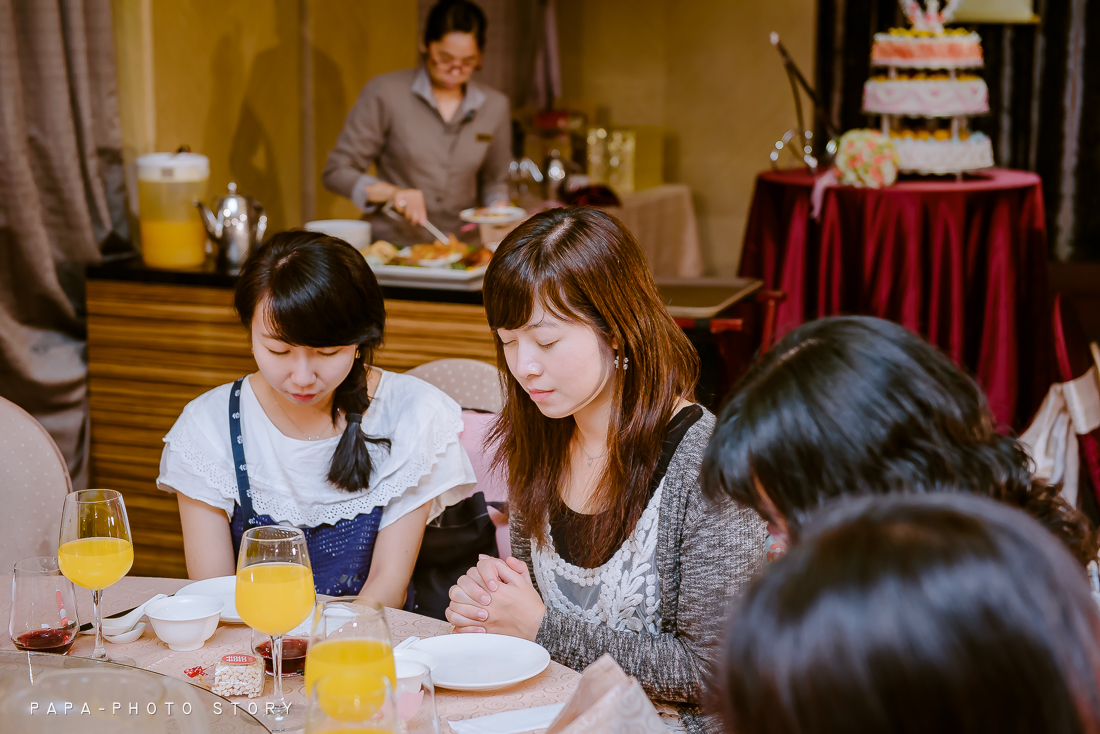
(359, 458)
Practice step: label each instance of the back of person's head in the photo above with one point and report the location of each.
(941, 613)
(314, 290)
(582, 266)
(455, 16)
(858, 405)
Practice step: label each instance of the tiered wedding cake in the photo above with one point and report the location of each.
(926, 96)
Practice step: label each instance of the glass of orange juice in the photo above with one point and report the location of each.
(351, 637)
(95, 549)
(274, 595)
(352, 702)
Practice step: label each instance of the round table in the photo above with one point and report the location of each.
(59, 694)
(961, 263)
(553, 685)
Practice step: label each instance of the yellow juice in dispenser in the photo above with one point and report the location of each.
(95, 563)
(172, 233)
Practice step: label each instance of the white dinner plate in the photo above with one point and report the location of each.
(499, 215)
(223, 587)
(482, 662)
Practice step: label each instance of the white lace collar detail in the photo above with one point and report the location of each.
(289, 476)
(624, 593)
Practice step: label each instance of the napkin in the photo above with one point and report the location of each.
(509, 722)
(608, 701)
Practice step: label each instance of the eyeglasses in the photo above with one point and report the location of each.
(445, 60)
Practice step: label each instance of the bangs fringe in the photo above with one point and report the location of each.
(518, 284)
(300, 310)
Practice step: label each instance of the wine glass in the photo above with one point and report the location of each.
(274, 594)
(347, 702)
(43, 607)
(95, 549)
(351, 637)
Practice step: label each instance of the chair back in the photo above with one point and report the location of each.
(476, 387)
(33, 483)
(472, 384)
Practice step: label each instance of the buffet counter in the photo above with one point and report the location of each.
(157, 339)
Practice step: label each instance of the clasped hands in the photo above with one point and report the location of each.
(497, 596)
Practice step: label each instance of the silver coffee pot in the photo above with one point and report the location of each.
(237, 227)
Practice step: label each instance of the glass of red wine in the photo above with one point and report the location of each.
(295, 647)
(43, 607)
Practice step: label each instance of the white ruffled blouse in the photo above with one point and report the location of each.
(289, 477)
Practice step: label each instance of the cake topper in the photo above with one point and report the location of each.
(933, 18)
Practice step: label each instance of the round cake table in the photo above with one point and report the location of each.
(961, 263)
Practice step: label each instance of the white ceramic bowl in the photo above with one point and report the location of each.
(353, 231)
(185, 622)
(415, 656)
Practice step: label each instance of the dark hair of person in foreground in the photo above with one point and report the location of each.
(940, 613)
(857, 405)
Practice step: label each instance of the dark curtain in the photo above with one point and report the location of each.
(61, 197)
(1044, 95)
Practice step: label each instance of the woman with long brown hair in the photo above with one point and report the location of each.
(616, 550)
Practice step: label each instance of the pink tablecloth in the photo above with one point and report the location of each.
(553, 685)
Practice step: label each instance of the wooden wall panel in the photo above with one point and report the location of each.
(152, 348)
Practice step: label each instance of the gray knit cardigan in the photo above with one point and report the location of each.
(705, 554)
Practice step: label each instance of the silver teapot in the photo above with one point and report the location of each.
(237, 227)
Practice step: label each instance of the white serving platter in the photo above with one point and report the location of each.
(482, 662)
(446, 279)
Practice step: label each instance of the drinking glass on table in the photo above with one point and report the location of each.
(274, 594)
(352, 702)
(43, 607)
(295, 645)
(349, 637)
(415, 698)
(95, 550)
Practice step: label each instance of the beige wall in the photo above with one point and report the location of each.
(703, 69)
(224, 76)
(226, 79)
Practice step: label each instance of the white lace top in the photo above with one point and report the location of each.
(623, 594)
(425, 462)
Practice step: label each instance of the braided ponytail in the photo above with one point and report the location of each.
(351, 466)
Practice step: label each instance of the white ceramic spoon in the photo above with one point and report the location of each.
(121, 625)
(126, 636)
(405, 643)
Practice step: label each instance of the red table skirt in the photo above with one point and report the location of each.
(963, 264)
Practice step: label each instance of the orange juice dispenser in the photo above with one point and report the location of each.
(172, 233)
